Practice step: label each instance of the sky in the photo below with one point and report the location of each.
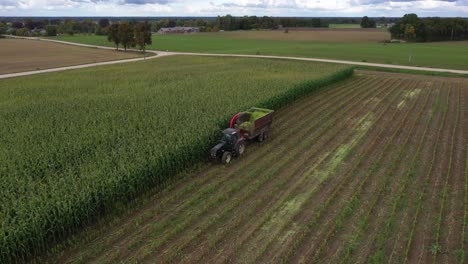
(305, 8)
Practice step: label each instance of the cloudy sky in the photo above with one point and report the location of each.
(234, 7)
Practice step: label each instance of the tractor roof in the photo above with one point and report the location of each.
(230, 131)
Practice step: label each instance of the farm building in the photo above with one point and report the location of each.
(175, 30)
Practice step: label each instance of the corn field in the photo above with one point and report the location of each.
(72, 144)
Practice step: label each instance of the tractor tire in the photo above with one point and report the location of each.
(240, 149)
(261, 137)
(226, 158)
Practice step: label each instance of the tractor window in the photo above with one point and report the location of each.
(228, 138)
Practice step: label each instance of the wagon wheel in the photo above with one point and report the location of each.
(261, 137)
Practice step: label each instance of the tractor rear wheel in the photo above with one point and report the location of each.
(226, 158)
(240, 149)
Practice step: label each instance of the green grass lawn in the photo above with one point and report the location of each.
(73, 143)
(453, 55)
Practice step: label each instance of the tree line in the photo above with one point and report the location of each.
(229, 22)
(71, 26)
(52, 27)
(413, 28)
(366, 22)
(130, 34)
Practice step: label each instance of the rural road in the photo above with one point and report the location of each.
(159, 54)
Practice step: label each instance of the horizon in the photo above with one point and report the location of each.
(239, 8)
(162, 17)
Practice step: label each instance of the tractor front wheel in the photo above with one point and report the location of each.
(226, 158)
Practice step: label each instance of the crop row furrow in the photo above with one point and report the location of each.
(404, 203)
(422, 192)
(464, 239)
(327, 194)
(349, 247)
(448, 176)
(380, 235)
(454, 221)
(336, 189)
(347, 209)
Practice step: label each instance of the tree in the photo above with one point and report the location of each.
(366, 22)
(17, 24)
(2, 28)
(113, 35)
(22, 32)
(55, 22)
(51, 30)
(410, 32)
(86, 26)
(29, 24)
(67, 27)
(143, 35)
(126, 35)
(410, 27)
(103, 23)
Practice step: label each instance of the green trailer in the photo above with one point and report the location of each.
(254, 123)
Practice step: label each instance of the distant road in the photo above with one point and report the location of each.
(165, 53)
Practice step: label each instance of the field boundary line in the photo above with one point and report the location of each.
(172, 53)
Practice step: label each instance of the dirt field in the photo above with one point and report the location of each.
(319, 35)
(20, 55)
(370, 170)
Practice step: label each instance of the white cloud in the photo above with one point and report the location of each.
(233, 7)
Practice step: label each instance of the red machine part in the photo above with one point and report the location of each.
(233, 120)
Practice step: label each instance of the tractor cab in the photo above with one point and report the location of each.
(230, 136)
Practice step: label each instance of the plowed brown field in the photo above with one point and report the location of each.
(373, 169)
(19, 55)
